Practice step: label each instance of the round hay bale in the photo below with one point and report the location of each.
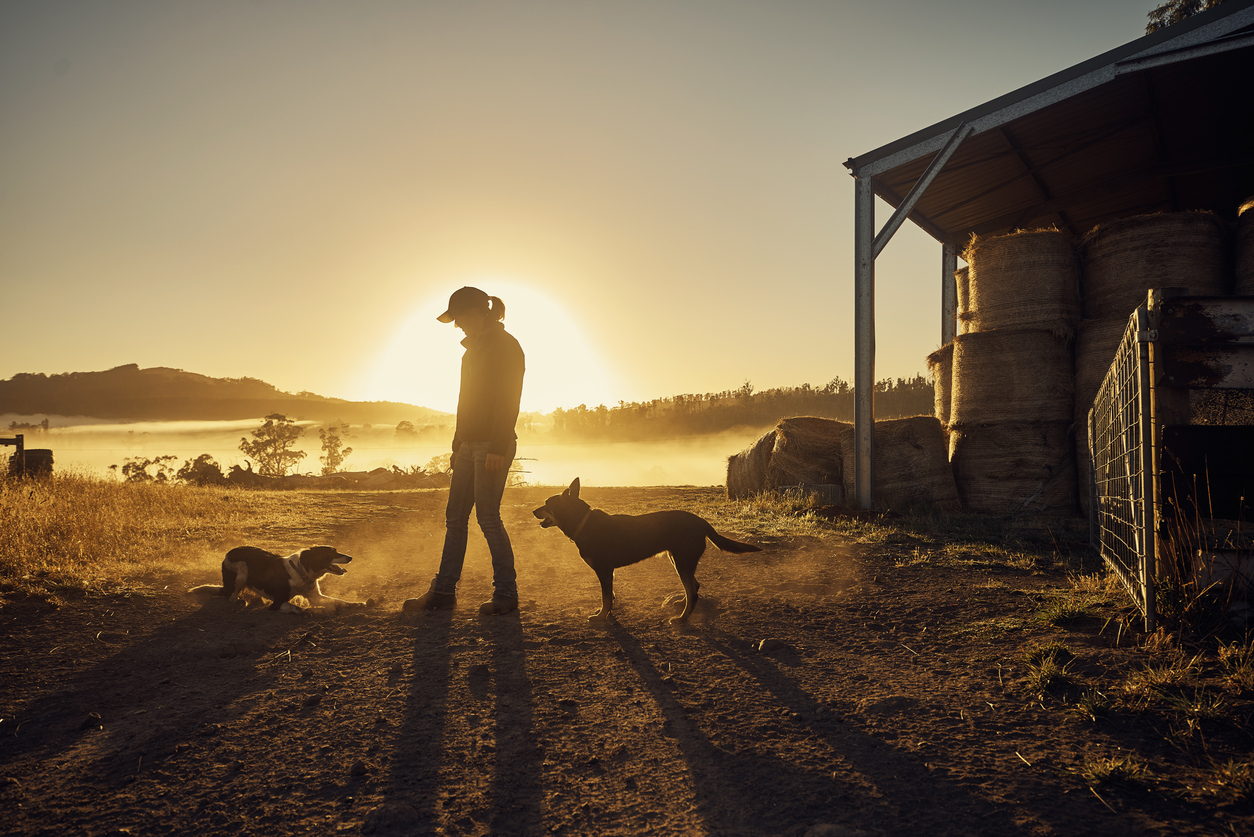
(1083, 462)
(1095, 346)
(962, 278)
(940, 364)
(1024, 279)
(911, 464)
(1015, 468)
(1245, 250)
(802, 449)
(746, 471)
(1011, 375)
(806, 451)
(1124, 259)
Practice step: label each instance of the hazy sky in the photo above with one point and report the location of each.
(290, 189)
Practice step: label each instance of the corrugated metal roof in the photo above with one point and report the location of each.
(1164, 123)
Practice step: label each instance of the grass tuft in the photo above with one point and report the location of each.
(1234, 780)
(1094, 705)
(1050, 671)
(1072, 606)
(1111, 772)
(1237, 663)
(1157, 679)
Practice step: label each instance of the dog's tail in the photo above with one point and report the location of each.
(207, 590)
(728, 545)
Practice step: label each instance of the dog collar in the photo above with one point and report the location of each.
(296, 570)
(579, 528)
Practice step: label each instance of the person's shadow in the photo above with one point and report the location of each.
(516, 778)
(414, 782)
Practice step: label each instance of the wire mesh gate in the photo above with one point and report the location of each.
(1121, 456)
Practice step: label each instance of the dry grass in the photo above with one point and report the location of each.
(1237, 662)
(1158, 678)
(72, 531)
(1234, 780)
(1113, 772)
(1050, 670)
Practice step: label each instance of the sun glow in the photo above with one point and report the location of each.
(421, 364)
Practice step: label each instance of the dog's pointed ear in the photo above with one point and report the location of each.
(573, 491)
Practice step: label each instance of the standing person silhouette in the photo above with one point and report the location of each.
(484, 445)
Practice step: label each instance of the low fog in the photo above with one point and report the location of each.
(87, 445)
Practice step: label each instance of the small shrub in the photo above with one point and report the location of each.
(202, 470)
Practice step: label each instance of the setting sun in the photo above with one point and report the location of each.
(421, 362)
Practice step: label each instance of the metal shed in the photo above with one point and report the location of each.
(1164, 123)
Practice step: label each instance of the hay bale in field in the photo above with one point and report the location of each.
(1011, 375)
(1245, 250)
(940, 364)
(1024, 279)
(802, 449)
(1124, 259)
(1015, 468)
(911, 464)
(746, 471)
(807, 450)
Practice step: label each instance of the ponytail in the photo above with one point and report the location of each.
(496, 308)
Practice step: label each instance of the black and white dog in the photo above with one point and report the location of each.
(280, 579)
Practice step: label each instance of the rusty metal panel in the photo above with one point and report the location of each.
(1207, 320)
(1210, 367)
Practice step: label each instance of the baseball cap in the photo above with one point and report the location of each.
(463, 300)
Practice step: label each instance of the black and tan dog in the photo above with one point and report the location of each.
(609, 541)
(280, 579)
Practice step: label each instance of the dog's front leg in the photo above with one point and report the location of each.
(606, 578)
(331, 602)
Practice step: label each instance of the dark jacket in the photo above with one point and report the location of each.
(492, 377)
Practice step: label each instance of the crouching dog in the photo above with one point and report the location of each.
(250, 569)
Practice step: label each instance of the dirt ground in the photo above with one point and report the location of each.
(821, 690)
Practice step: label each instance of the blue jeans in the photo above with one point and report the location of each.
(475, 487)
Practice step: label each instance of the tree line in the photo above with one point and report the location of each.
(689, 415)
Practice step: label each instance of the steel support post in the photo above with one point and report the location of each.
(949, 293)
(864, 341)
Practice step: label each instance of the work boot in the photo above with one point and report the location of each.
(430, 600)
(498, 605)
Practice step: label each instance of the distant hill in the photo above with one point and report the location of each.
(162, 394)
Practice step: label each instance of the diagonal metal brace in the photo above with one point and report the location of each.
(899, 216)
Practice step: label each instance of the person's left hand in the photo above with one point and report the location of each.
(494, 462)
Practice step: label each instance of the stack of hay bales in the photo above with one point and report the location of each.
(1245, 250)
(804, 450)
(940, 364)
(1122, 261)
(911, 464)
(962, 279)
(1012, 393)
